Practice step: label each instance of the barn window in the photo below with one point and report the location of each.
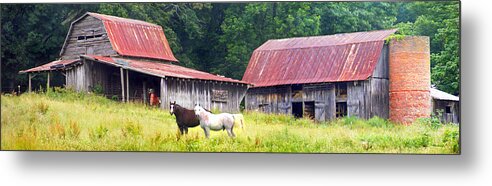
(88, 37)
(448, 109)
(341, 91)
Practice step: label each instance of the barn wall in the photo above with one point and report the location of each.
(75, 78)
(279, 99)
(87, 26)
(323, 96)
(270, 99)
(358, 99)
(226, 97)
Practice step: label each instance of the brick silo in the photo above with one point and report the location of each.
(409, 75)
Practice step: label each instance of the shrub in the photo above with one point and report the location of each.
(132, 130)
(99, 132)
(451, 139)
(57, 130)
(73, 130)
(98, 89)
(42, 107)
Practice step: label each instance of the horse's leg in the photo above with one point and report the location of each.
(230, 131)
(207, 132)
(181, 130)
(186, 130)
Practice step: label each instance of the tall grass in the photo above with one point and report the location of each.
(65, 120)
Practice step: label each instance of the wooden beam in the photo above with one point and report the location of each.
(122, 85)
(127, 87)
(144, 92)
(164, 96)
(48, 82)
(30, 77)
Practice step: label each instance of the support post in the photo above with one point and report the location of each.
(127, 87)
(163, 93)
(48, 82)
(30, 77)
(144, 93)
(122, 85)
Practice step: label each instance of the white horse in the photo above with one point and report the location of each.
(216, 122)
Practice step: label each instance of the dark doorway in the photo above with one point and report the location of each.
(341, 109)
(309, 109)
(297, 109)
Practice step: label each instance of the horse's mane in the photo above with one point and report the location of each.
(179, 106)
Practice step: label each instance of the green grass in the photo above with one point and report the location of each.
(64, 120)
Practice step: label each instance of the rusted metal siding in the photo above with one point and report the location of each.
(160, 69)
(334, 58)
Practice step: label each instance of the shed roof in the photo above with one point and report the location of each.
(48, 66)
(440, 95)
(160, 69)
(317, 59)
(134, 38)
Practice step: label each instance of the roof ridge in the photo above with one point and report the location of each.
(98, 15)
(395, 29)
(312, 47)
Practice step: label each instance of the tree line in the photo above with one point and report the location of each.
(220, 37)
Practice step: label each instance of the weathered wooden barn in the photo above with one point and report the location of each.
(325, 77)
(125, 58)
(445, 106)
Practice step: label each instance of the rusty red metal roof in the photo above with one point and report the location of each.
(160, 69)
(318, 59)
(48, 66)
(136, 38)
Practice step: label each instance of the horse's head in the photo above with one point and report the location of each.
(171, 107)
(198, 109)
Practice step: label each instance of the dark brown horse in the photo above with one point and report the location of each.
(185, 118)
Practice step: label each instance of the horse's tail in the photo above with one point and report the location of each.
(240, 118)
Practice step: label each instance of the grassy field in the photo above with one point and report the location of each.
(64, 120)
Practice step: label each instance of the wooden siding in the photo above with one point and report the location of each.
(189, 92)
(382, 68)
(323, 96)
(439, 109)
(270, 99)
(279, 99)
(366, 99)
(97, 46)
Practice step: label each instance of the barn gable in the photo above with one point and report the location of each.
(98, 34)
(318, 59)
(86, 35)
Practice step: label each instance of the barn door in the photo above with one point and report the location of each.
(319, 111)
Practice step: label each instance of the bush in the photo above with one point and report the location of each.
(42, 107)
(99, 132)
(132, 130)
(98, 89)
